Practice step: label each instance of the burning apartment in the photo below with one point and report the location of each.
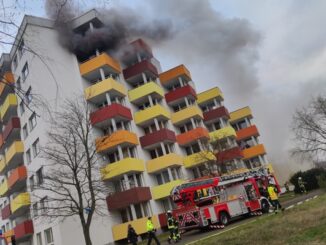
(157, 117)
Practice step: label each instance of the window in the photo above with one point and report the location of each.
(36, 147)
(39, 174)
(32, 121)
(39, 238)
(21, 48)
(18, 84)
(25, 72)
(31, 182)
(28, 156)
(48, 236)
(22, 107)
(35, 211)
(14, 62)
(25, 131)
(43, 204)
(28, 95)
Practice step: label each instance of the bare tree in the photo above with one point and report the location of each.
(72, 178)
(309, 128)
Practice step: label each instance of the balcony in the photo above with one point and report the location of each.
(96, 93)
(163, 162)
(228, 155)
(216, 114)
(1, 140)
(121, 137)
(123, 199)
(173, 74)
(8, 79)
(146, 116)
(137, 46)
(2, 165)
(12, 129)
(102, 117)
(8, 235)
(6, 212)
(20, 204)
(17, 179)
(180, 93)
(125, 166)
(254, 151)
(181, 116)
(192, 135)
(90, 68)
(3, 188)
(14, 155)
(163, 135)
(209, 95)
(164, 190)
(198, 159)
(137, 69)
(248, 132)
(240, 114)
(9, 107)
(222, 133)
(141, 93)
(121, 231)
(24, 230)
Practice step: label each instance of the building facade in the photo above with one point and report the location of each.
(152, 131)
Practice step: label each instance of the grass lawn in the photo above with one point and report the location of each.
(304, 224)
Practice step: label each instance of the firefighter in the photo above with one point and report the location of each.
(151, 232)
(176, 230)
(301, 184)
(171, 227)
(273, 197)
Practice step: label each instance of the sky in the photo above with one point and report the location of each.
(270, 55)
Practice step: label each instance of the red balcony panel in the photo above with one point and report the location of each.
(216, 113)
(6, 212)
(17, 175)
(163, 220)
(140, 45)
(1, 140)
(228, 155)
(180, 93)
(109, 112)
(161, 135)
(123, 199)
(138, 68)
(12, 125)
(247, 132)
(24, 229)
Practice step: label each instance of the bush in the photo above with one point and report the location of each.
(314, 178)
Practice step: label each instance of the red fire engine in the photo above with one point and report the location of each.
(212, 202)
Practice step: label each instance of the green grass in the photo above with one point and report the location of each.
(305, 224)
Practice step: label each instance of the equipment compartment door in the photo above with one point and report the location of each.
(237, 207)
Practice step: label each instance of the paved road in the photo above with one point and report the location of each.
(195, 235)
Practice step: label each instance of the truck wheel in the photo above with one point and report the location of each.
(264, 206)
(224, 218)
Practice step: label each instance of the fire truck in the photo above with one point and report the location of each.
(213, 202)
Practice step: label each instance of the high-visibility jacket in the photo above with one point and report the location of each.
(170, 223)
(272, 193)
(150, 225)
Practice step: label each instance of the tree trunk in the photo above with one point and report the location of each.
(87, 235)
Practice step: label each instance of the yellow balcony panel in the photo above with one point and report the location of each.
(173, 74)
(2, 165)
(8, 107)
(120, 231)
(198, 159)
(163, 162)
(156, 111)
(96, 92)
(3, 188)
(164, 190)
(253, 151)
(222, 133)
(121, 137)
(104, 61)
(190, 112)
(240, 114)
(209, 95)
(14, 155)
(8, 234)
(150, 88)
(270, 168)
(125, 166)
(23, 200)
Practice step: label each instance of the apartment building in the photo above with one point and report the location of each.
(150, 129)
